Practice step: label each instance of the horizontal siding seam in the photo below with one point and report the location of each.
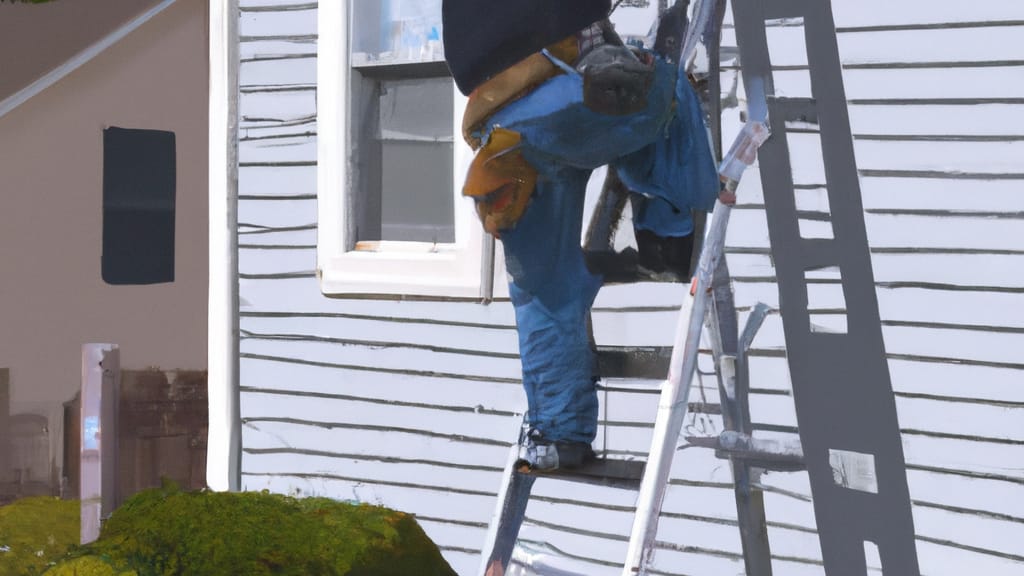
(276, 122)
(277, 275)
(355, 367)
(886, 284)
(964, 101)
(1011, 215)
(372, 458)
(261, 198)
(970, 548)
(898, 65)
(968, 474)
(823, 215)
(970, 511)
(365, 481)
(939, 174)
(466, 523)
(930, 26)
(298, 38)
(574, 530)
(348, 397)
(261, 229)
(277, 246)
(472, 551)
(965, 437)
(949, 326)
(767, 251)
(274, 88)
(780, 352)
(279, 8)
(756, 425)
(277, 164)
(975, 138)
(704, 550)
(376, 344)
(303, 135)
(961, 400)
(276, 57)
(379, 318)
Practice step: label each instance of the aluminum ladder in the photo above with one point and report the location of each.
(650, 479)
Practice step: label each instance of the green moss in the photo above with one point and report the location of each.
(169, 532)
(36, 532)
(87, 566)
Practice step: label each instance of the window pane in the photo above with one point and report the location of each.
(411, 207)
(416, 147)
(402, 120)
(396, 31)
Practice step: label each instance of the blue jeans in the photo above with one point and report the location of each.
(661, 153)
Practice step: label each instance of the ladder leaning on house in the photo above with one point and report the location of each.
(870, 513)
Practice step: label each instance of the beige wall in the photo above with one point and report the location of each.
(67, 28)
(52, 298)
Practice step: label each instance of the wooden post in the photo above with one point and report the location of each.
(101, 374)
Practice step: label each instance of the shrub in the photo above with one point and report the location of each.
(170, 532)
(87, 566)
(36, 532)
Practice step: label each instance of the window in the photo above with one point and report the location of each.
(138, 206)
(392, 219)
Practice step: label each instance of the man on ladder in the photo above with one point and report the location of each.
(553, 94)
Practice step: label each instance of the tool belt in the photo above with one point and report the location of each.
(500, 180)
(616, 81)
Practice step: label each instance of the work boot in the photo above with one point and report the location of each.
(664, 259)
(677, 252)
(536, 454)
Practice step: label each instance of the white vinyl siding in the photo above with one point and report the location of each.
(412, 404)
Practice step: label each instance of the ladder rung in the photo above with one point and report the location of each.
(614, 472)
(767, 454)
(629, 362)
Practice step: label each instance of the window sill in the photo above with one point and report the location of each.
(405, 269)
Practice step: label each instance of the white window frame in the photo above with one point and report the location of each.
(463, 269)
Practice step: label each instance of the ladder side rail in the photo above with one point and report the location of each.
(503, 530)
(750, 509)
(672, 403)
(711, 96)
(730, 350)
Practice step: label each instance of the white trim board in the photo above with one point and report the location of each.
(79, 59)
(224, 444)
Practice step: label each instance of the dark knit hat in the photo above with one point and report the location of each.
(484, 37)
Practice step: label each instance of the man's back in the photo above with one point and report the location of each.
(484, 37)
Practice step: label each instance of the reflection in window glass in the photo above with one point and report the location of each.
(396, 31)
